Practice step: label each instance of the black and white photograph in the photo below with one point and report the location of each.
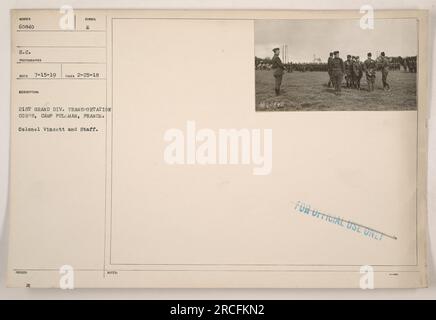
(336, 65)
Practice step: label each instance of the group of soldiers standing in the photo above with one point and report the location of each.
(353, 69)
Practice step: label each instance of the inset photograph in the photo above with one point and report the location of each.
(336, 65)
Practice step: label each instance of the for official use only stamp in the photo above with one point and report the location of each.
(340, 222)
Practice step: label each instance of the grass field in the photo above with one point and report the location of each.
(308, 91)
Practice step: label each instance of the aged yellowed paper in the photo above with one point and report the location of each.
(218, 149)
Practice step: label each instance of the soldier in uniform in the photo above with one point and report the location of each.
(348, 70)
(353, 75)
(370, 67)
(384, 63)
(278, 68)
(329, 70)
(357, 72)
(337, 67)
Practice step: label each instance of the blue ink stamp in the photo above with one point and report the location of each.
(371, 233)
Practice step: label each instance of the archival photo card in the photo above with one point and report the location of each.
(143, 155)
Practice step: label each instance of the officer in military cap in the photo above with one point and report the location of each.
(357, 72)
(278, 68)
(370, 66)
(329, 70)
(384, 64)
(337, 67)
(353, 75)
(348, 64)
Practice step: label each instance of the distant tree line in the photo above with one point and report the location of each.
(408, 64)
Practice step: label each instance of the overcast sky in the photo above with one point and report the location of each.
(306, 38)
